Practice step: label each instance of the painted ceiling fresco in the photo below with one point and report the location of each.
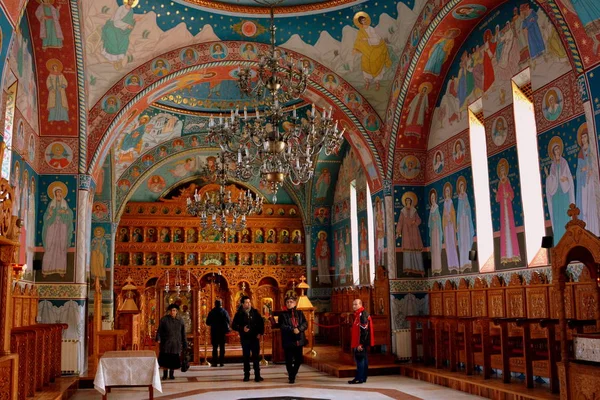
(331, 38)
(219, 94)
(163, 176)
(358, 118)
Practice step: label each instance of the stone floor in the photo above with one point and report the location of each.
(225, 383)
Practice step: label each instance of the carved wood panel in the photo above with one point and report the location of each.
(537, 302)
(496, 303)
(436, 303)
(449, 303)
(555, 303)
(586, 301)
(464, 303)
(515, 303)
(480, 303)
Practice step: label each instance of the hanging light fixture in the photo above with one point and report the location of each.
(264, 149)
(226, 214)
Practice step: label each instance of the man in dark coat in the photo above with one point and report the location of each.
(292, 324)
(250, 325)
(171, 338)
(218, 320)
(362, 336)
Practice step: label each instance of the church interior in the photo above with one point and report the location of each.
(436, 159)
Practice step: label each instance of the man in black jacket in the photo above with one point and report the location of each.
(218, 320)
(292, 324)
(250, 325)
(171, 338)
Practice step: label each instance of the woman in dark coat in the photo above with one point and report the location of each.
(171, 338)
(292, 324)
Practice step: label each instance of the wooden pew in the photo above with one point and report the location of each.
(421, 334)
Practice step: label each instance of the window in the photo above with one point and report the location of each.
(371, 236)
(354, 231)
(481, 187)
(9, 116)
(529, 167)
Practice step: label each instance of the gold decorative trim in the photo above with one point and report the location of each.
(217, 5)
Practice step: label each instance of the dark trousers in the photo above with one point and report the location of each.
(362, 364)
(220, 346)
(293, 360)
(251, 346)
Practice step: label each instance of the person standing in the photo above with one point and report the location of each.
(249, 324)
(293, 325)
(171, 338)
(218, 320)
(362, 337)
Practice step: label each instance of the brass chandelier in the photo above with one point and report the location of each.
(278, 142)
(225, 213)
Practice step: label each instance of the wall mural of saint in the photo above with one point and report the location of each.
(407, 228)
(57, 231)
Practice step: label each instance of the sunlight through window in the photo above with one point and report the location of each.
(481, 186)
(354, 230)
(371, 236)
(529, 167)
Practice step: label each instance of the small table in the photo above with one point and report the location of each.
(127, 368)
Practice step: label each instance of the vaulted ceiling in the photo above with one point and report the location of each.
(177, 60)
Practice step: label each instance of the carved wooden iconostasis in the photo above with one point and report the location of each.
(159, 243)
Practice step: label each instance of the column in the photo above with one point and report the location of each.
(390, 229)
(308, 257)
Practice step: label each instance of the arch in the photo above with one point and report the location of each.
(103, 132)
(119, 203)
(269, 280)
(429, 33)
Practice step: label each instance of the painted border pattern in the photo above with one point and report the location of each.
(79, 64)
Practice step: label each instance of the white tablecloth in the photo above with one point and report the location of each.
(127, 368)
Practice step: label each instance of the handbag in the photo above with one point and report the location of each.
(185, 365)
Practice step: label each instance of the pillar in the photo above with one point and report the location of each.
(308, 257)
(390, 229)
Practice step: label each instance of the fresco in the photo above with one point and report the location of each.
(101, 254)
(583, 17)
(379, 226)
(342, 253)
(569, 166)
(143, 134)
(6, 33)
(350, 170)
(515, 37)
(450, 223)
(594, 82)
(25, 182)
(23, 66)
(56, 222)
(217, 92)
(52, 37)
(324, 181)
(507, 210)
(361, 51)
(104, 181)
(190, 165)
(410, 228)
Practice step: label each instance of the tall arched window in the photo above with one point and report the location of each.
(371, 236)
(529, 167)
(481, 186)
(354, 231)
